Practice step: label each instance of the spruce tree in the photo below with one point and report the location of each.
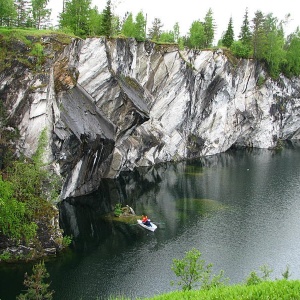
(106, 23)
(245, 34)
(228, 37)
(209, 29)
(258, 36)
(37, 288)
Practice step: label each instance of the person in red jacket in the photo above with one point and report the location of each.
(145, 220)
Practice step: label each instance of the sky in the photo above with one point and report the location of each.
(186, 11)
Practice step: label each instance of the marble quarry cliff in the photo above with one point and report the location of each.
(110, 105)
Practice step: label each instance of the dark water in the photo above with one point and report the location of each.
(241, 209)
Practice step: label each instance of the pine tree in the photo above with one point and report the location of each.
(245, 34)
(155, 31)
(258, 37)
(106, 23)
(209, 28)
(37, 289)
(228, 37)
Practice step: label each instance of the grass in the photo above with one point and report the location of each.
(271, 290)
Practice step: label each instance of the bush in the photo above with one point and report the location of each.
(118, 210)
(24, 193)
(193, 271)
(13, 221)
(240, 50)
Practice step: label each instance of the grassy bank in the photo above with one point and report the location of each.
(271, 290)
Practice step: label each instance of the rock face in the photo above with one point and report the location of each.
(113, 105)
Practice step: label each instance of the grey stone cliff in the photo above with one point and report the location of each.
(113, 105)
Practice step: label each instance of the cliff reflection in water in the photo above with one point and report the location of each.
(169, 192)
(173, 194)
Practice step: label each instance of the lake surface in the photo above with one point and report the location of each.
(241, 209)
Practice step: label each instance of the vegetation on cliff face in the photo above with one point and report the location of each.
(29, 47)
(27, 214)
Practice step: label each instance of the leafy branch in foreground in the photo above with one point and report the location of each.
(193, 271)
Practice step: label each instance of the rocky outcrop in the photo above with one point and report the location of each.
(113, 105)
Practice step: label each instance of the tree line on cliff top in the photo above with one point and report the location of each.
(260, 37)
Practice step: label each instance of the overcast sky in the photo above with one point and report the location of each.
(186, 11)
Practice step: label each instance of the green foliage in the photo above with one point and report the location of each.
(140, 27)
(42, 144)
(266, 290)
(38, 52)
(134, 28)
(40, 12)
(258, 35)
(254, 278)
(291, 64)
(7, 12)
(155, 31)
(32, 182)
(37, 288)
(245, 35)
(67, 240)
(76, 17)
(128, 28)
(274, 42)
(240, 50)
(13, 220)
(287, 273)
(5, 256)
(118, 209)
(176, 32)
(196, 35)
(167, 37)
(228, 37)
(261, 80)
(106, 21)
(209, 29)
(193, 271)
(24, 193)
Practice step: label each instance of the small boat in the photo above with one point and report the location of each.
(150, 227)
